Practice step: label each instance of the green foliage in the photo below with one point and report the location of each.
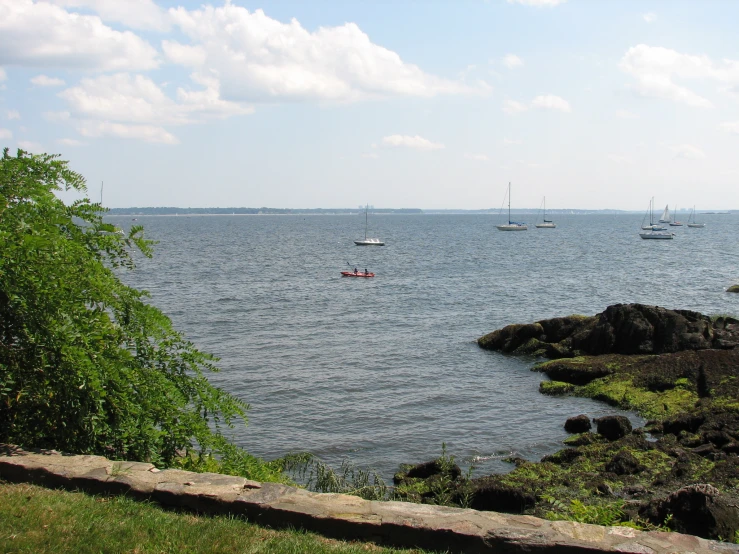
(601, 514)
(86, 365)
(320, 477)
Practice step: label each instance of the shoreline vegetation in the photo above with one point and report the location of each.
(87, 366)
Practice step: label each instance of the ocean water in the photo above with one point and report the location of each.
(383, 371)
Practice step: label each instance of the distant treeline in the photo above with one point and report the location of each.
(254, 211)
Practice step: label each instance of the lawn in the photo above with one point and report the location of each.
(37, 520)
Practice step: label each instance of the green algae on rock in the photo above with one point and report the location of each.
(733, 288)
(676, 367)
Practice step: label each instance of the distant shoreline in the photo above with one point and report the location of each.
(172, 212)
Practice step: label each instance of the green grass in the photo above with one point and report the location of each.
(38, 520)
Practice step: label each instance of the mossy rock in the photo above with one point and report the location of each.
(733, 288)
(583, 439)
(532, 347)
(555, 388)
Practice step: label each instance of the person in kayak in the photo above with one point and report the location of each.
(365, 271)
(355, 271)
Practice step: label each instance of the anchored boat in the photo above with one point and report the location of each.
(511, 225)
(368, 241)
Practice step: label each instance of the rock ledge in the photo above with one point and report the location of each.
(336, 515)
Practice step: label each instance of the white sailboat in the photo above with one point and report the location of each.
(650, 213)
(511, 225)
(548, 223)
(694, 224)
(665, 215)
(368, 241)
(675, 222)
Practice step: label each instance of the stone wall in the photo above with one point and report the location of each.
(398, 524)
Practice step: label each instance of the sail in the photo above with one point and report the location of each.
(665, 215)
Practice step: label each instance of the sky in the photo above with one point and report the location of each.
(334, 104)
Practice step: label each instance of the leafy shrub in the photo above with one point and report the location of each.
(86, 365)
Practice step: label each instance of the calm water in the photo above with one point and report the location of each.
(384, 370)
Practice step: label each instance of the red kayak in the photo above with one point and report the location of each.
(358, 274)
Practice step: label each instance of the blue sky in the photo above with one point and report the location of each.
(595, 104)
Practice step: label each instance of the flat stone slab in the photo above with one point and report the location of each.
(399, 524)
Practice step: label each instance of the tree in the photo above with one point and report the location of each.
(86, 365)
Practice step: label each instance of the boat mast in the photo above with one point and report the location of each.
(509, 202)
(366, 207)
(101, 192)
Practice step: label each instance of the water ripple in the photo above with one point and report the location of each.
(384, 370)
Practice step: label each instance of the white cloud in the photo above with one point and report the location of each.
(12, 114)
(656, 70)
(258, 58)
(619, 159)
(538, 3)
(513, 107)
(137, 99)
(147, 133)
(688, 152)
(45, 35)
(44, 81)
(30, 146)
(649, 17)
(70, 142)
(6, 134)
(551, 102)
(626, 114)
(542, 102)
(731, 90)
(417, 142)
(371, 155)
(730, 127)
(182, 54)
(136, 14)
(57, 117)
(511, 142)
(133, 106)
(3, 75)
(477, 157)
(512, 61)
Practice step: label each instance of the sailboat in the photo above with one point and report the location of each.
(650, 213)
(665, 215)
(512, 225)
(694, 224)
(368, 241)
(548, 223)
(675, 222)
(655, 232)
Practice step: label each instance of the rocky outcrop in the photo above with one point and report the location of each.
(578, 424)
(696, 508)
(496, 497)
(677, 368)
(620, 329)
(613, 427)
(429, 469)
(733, 288)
